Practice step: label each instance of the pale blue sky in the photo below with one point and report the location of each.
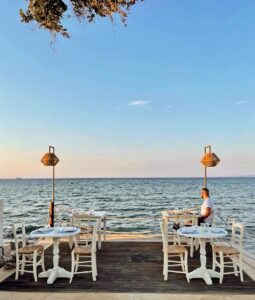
(140, 100)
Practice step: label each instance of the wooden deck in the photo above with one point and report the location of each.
(133, 267)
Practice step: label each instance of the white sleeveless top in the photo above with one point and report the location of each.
(208, 203)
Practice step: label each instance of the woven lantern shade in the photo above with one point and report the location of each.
(210, 160)
(49, 159)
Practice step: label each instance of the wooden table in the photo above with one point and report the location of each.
(203, 234)
(55, 233)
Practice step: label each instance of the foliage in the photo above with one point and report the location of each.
(49, 14)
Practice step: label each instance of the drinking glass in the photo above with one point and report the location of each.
(204, 227)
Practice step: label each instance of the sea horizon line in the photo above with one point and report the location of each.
(126, 177)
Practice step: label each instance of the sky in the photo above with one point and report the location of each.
(135, 101)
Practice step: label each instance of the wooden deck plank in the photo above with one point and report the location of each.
(128, 267)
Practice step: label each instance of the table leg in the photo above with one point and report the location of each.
(105, 229)
(203, 272)
(165, 223)
(56, 271)
(71, 242)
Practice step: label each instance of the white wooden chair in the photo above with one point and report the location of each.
(84, 256)
(84, 222)
(182, 220)
(232, 252)
(86, 226)
(178, 252)
(26, 255)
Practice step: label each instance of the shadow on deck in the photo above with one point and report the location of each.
(133, 267)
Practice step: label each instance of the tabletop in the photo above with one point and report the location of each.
(202, 232)
(95, 214)
(169, 214)
(54, 232)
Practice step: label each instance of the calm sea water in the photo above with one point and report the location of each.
(132, 204)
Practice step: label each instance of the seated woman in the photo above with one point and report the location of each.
(207, 208)
(206, 213)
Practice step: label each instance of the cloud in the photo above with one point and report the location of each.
(242, 102)
(138, 103)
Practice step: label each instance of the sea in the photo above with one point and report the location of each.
(132, 205)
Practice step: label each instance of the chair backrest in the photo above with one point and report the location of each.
(212, 218)
(229, 222)
(19, 233)
(84, 222)
(93, 240)
(61, 216)
(182, 219)
(164, 234)
(237, 235)
(78, 219)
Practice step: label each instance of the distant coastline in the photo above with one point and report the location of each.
(90, 178)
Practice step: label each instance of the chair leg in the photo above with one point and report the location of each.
(17, 267)
(93, 266)
(196, 244)
(23, 261)
(77, 262)
(87, 240)
(163, 263)
(213, 260)
(42, 261)
(174, 237)
(182, 263)
(72, 266)
(186, 265)
(235, 268)
(191, 247)
(35, 265)
(221, 267)
(96, 263)
(165, 266)
(241, 268)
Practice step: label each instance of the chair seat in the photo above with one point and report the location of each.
(176, 249)
(31, 249)
(86, 229)
(225, 249)
(82, 250)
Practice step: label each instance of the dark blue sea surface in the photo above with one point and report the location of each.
(131, 204)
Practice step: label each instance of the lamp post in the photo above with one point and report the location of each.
(50, 160)
(209, 160)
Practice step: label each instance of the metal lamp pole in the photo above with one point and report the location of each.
(50, 160)
(53, 188)
(205, 178)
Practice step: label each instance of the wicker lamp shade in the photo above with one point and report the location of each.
(49, 159)
(210, 160)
